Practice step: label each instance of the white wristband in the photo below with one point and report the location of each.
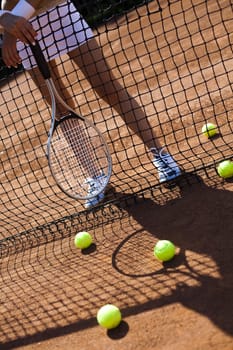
(23, 9)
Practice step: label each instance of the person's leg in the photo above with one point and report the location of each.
(91, 61)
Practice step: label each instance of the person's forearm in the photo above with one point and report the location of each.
(22, 9)
(2, 13)
(15, 22)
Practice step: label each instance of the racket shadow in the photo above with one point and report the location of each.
(137, 266)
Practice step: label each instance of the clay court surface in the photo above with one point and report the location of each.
(50, 293)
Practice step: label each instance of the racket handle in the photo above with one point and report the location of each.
(40, 60)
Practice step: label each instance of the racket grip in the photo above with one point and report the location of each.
(40, 60)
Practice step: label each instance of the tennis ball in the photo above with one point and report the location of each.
(225, 169)
(109, 316)
(209, 130)
(164, 250)
(82, 240)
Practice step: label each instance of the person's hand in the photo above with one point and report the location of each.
(19, 27)
(10, 55)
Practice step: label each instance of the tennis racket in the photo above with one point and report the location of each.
(78, 156)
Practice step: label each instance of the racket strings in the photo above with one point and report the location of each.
(77, 155)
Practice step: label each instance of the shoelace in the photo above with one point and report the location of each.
(156, 152)
(162, 164)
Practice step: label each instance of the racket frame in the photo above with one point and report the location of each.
(55, 96)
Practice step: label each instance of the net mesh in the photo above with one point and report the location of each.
(174, 58)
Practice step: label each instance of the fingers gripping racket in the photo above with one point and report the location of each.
(78, 156)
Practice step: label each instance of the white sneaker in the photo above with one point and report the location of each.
(166, 166)
(94, 184)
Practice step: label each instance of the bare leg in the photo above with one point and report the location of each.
(90, 59)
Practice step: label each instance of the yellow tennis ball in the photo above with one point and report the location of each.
(82, 240)
(209, 130)
(164, 250)
(109, 316)
(225, 169)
